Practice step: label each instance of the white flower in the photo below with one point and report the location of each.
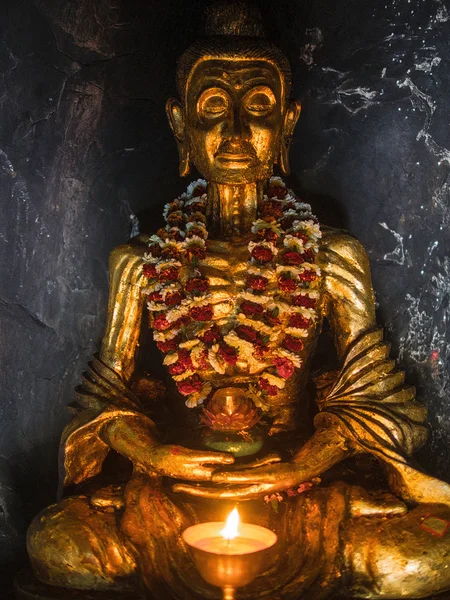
(260, 327)
(246, 352)
(261, 270)
(312, 229)
(195, 240)
(215, 360)
(166, 263)
(170, 359)
(199, 397)
(296, 332)
(196, 301)
(176, 313)
(192, 186)
(270, 245)
(189, 344)
(276, 181)
(261, 224)
(293, 272)
(184, 375)
(197, 351)
(283, 353)
(164, 336)
(197, 225)
(310, 267)
(279, 382)
(293, 243)
(254, 298)
(175, 205)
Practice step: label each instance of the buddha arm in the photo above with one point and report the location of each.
(104, 394)
(368, 403)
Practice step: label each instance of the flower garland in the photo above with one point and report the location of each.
(272, 315)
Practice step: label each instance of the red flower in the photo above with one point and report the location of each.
(196, 250)
(155, 249)
(183, 363)
(197, 284)
(293, 258)
(175, 219)
(299, 321)
(308, 275)
(247, 333)
(169, 274)
(289, 220)
(199, 191)
(170, 253)
(174, 299)
(300, 235)
(304, 300)
(155, 297)
(149, 271)
(211, 336)
(262, 254)
(195, 231)
(190, 385)
(267, 234)
(251, 308)
(256, 282)
(202, 313)
(169, 345)
(271, 390)
(285, 367)
(277, 192)
(160, 323)
(286, 284)
(309, 256)
(228, 354)
(195, 207)
(203, 360)
(272, 208)
(292, 343)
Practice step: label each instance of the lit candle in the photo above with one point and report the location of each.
(234, 538)
(231, 554)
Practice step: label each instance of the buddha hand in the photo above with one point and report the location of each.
(138, 441)
(323, 450)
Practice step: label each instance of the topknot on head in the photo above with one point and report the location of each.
(234, 17)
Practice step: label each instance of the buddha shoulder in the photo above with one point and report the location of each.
(341, 251)
(127, 259)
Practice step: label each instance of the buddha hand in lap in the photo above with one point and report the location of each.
(238, 285)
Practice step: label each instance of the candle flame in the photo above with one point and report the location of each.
(230, 531)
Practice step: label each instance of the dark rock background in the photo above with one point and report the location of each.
(85, 146)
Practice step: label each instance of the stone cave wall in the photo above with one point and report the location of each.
(86, 154)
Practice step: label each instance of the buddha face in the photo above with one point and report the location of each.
(235, 122)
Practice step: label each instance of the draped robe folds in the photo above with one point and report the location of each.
(367, 400)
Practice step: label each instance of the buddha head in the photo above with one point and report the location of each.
(233, 119)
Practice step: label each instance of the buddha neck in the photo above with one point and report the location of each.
(232, 208)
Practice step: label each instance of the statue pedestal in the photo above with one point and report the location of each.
(28, 587)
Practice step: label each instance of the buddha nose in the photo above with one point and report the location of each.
(237, 127)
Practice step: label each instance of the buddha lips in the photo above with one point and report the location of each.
(273, 312)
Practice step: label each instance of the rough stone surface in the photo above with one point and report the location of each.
(84, 146)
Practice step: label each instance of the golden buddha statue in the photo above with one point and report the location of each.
(239, 285)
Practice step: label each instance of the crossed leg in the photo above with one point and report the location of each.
(73, 545)
(401, 557)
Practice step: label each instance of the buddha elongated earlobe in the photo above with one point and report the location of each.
(185, 163)
(175, 114)
(290, 121)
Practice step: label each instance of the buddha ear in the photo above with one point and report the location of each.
(290, 121)
(177, 122)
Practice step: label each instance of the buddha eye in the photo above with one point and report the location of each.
(213, 103)
(260, 101)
